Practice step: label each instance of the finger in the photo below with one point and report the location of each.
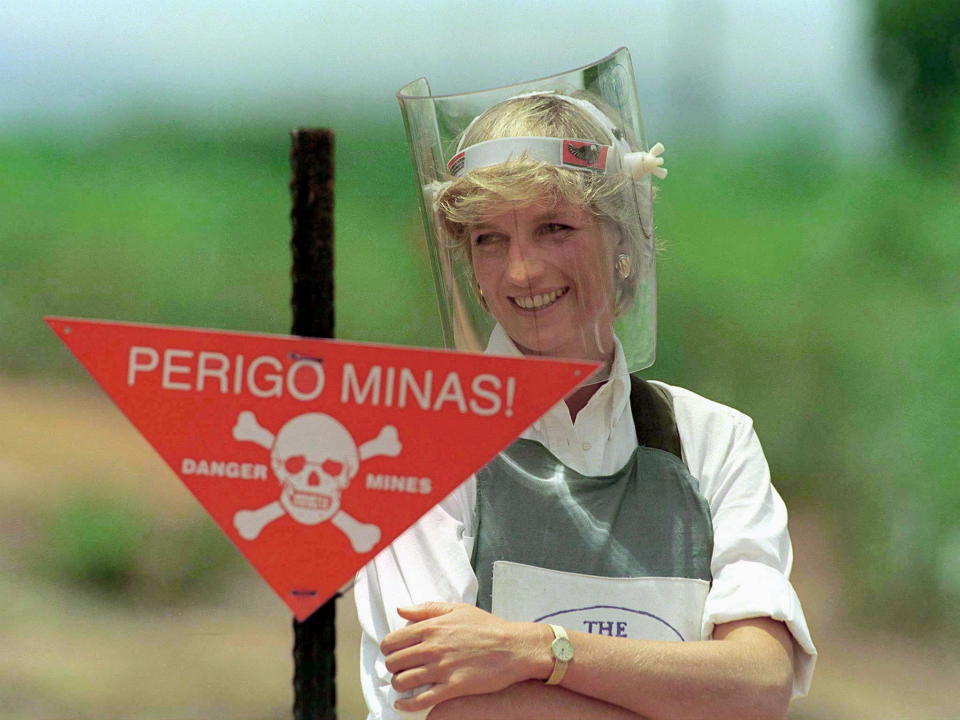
(428, 698)
(411, 657)
(411, 679)
(424, 611)
(399, 639)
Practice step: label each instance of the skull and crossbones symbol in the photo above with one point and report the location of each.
(314, 457)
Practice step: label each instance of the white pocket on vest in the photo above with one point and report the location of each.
(644, 608)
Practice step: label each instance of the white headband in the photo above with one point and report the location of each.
(562, 152)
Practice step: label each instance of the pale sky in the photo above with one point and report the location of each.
(728, 62)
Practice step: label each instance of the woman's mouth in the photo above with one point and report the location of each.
(540, 301)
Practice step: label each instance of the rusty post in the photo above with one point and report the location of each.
(311, 187)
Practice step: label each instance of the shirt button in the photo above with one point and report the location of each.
(587, 446)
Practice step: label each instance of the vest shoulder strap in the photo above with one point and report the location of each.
(652, 409)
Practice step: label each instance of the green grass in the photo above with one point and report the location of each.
(107, 546)
(819, 295)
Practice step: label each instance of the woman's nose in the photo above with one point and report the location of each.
(523, 265)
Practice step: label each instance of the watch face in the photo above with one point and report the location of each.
(563, 650)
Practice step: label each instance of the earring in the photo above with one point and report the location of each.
(483, 300)
(624, 266)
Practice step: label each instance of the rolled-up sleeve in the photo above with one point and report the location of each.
(752, 553)
(429, 562)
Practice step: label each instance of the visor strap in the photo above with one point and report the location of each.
(561, 152)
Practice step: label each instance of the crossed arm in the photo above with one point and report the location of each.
(479, 666)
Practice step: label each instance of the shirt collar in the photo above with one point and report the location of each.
(616, 391)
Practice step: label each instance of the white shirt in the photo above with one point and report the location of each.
(752, 554)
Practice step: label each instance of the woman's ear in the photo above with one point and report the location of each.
(616, 238)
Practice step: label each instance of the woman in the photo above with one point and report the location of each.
(558, 580)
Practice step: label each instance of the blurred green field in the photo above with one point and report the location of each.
(815, 292)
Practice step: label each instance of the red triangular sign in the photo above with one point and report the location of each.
(313, 455)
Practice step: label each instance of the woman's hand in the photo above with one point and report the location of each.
(458, 650)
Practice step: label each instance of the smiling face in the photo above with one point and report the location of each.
(546, 273)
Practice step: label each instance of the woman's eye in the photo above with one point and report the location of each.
(555, 228)
(487, 239)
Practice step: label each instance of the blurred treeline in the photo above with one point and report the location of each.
(815, 289)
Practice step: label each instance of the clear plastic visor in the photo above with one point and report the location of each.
(540, 236)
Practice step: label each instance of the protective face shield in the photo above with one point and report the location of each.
(537, 206)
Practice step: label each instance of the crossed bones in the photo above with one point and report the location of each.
(327, 460)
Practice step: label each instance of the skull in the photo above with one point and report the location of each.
(314, 457)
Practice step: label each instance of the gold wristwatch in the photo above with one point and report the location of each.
(562, 650)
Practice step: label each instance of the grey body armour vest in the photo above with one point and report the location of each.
(648, 519)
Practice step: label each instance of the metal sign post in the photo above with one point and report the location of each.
(311, 185)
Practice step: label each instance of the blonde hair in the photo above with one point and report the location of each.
(480, 194)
